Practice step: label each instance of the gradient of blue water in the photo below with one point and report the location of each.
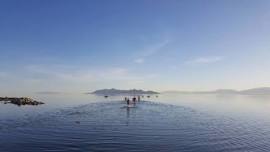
(171, 122)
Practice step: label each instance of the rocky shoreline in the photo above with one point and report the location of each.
(20, 101)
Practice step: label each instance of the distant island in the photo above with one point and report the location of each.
(113, 92)
(253, 91)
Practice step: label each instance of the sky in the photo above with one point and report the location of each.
(82, 45)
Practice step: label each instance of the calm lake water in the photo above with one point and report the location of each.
(171, 122)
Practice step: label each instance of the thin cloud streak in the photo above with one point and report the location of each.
(139, 60)
(154, 48)
(3, 74)
(83, 77)
(151, 50)
(204, 60)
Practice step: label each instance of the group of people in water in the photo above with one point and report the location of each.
(132, 100)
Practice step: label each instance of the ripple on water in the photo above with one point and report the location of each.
(110, 126)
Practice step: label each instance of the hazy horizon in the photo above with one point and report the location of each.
(80, 46)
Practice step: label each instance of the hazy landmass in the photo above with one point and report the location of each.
(257, 91)
(253, 91)
(122, 92)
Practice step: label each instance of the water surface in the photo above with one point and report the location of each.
(171, 122)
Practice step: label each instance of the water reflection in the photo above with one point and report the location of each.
(168, 123)
(128, 113)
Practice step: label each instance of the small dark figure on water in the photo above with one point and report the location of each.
(139, 98)
(134, 99)
(128, 101)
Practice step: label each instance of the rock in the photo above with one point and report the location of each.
(20, 101)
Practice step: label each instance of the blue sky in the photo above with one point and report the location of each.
(80, 45)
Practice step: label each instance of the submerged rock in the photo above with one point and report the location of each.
(20, 101)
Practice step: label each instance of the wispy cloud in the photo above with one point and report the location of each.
(3, 74)
(79, 74)
(61, 77)
(204, 60)
(151, 50)
(139, 60)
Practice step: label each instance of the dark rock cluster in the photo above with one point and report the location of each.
(20, 101)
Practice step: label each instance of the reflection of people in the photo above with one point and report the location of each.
(128, 111)
(139, 98)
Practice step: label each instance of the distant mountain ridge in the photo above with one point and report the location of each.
(122, 92)
(253, 91)
(257, 91)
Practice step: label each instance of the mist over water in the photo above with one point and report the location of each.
(171, 122)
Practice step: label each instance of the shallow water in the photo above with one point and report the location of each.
(171, 122)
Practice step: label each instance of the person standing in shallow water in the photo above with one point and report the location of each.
(139, 98)
(127, 99)
(134, 99)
